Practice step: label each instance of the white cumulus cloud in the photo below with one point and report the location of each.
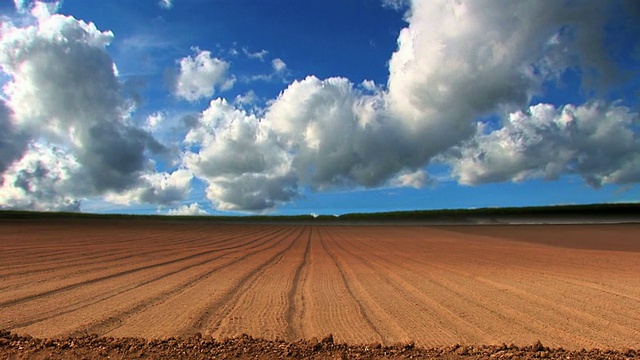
(338, 136)
(200, 75)
(193, 209)
(596, 141)
(242, 162)
(456, 63)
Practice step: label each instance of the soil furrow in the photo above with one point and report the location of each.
(295, 308)
(411, 303)
(69, 308)
(363, 312)
(221, 308)
(115, 275)
(467, 302)
(116, 320)
(110, 258)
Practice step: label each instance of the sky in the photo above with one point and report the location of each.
(193, 107)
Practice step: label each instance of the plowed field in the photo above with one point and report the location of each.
(574, 286)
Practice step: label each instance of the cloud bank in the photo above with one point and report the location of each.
(461, 90)
(596, 141)
(456, 63)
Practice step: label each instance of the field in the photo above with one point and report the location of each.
(572, 286)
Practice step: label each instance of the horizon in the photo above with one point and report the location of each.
(548, 210)
(176, 107)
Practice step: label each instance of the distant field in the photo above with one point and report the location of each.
(566, 285)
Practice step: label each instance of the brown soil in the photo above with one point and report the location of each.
(246, 347)
(568, 286)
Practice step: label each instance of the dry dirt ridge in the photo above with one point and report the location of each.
(14, 346)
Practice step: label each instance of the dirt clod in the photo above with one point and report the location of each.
(328, 339)
(247, 347)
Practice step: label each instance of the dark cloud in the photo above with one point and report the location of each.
(12, 142)
(113, 156)
(156, 188)
(64, 92)
(44, 178)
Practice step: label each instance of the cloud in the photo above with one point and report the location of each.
(193, 209)
(322, 133)
(154, 121)
(12, 142)
(278, 65)
(247, 99)
(596, 141)
(416, 179)
(63, 92)
(64, 88)
(279, 68)
(156, 188)
(242, 162)
(166, 4)
(255, 192)
(24, 6)
(20, 4)
(339, 137)
(64, 115)
(260, 55)
(456, 63)
(200, 75)
(44, 179)
(396, 4)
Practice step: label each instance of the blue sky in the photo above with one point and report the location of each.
(329, 107)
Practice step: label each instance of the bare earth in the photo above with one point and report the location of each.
(569, 286)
